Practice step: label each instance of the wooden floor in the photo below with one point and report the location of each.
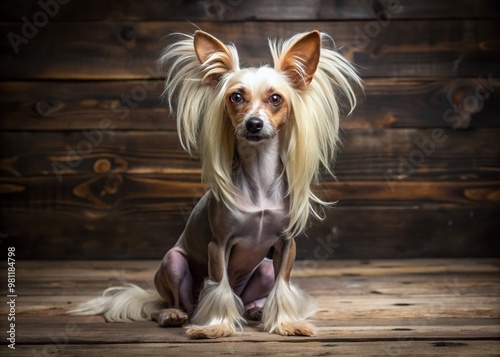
(366, 308)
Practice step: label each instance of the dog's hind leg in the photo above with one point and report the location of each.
(257, 289)
(174, 283)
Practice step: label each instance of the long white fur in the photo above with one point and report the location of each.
(219, 305)
(123, 304)
(309, 141)
(310, 137)
(286, 303)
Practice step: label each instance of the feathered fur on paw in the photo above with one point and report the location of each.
(297, 328)
(214, 331)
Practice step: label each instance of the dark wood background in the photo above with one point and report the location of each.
(90, 73)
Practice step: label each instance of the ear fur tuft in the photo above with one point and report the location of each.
(216, 59)
(300, 61)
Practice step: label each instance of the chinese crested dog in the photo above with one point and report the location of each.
(263, 135)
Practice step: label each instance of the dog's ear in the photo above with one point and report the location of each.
(300, 60)
(215, 57)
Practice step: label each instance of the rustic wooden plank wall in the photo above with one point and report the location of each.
(90, 165)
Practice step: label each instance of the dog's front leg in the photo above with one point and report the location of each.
(219, 310)
(287, 306)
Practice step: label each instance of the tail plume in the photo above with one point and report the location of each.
(123, 304)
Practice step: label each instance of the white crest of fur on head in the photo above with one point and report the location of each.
(196, 83)
(312, 132)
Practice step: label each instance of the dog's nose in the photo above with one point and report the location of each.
(254, 125)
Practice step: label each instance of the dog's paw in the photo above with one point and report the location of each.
(253, 310)
(204, 332)
(172, 318)
(297, 328)
(255, 315)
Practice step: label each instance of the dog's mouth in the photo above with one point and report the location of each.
(258, 138)
(254, 138)
(243, 134)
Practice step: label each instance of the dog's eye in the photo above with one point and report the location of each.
(275, 99)
(236, 98)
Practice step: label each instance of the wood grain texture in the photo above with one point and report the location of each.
(83, 105)
(100, 332)
(346, 283)
(131, 196)
(388, 103)
(91, 167)
(121, 191)
(369, 349)
(147, 229)
(129, 50)
(237, 10)
(421, 307)
(367, 154)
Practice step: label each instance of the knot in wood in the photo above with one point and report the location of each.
(465, 101)
(102, 166)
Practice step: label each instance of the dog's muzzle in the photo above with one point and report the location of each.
(255, 130)
(254, 127)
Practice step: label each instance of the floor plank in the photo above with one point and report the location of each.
(418, 307)
(396, 348)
